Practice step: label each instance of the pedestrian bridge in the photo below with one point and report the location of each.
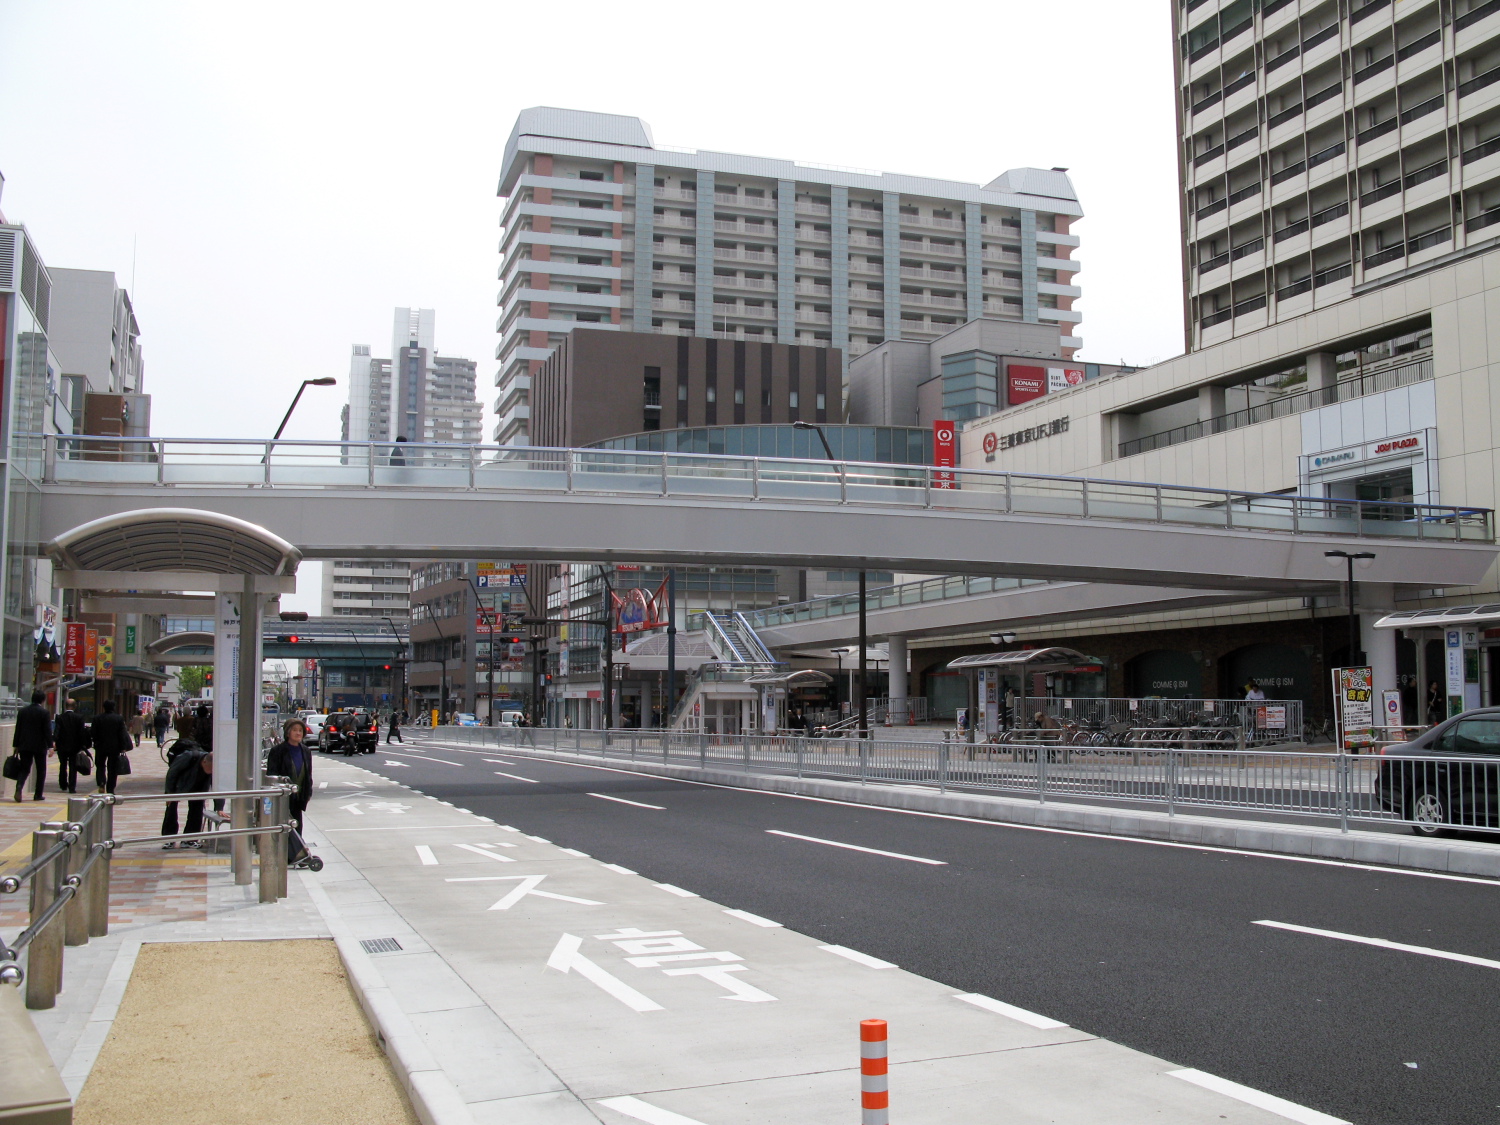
(349, 499)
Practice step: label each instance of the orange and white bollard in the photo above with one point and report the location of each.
(874, 1083)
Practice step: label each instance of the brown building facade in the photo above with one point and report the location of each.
(601, 384)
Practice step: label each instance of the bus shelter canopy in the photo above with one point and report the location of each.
(1023, 661)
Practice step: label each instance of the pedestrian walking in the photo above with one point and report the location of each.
(137, 727)
(394, 730)
(72, 739)
(161, 722)
(191, 771)
(289, 758)
(32, 742)
(1435, 702)
(111, 744)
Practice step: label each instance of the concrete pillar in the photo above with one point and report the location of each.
(897, 672)
(1322, 370)
(1380, 651)
(1210, 403)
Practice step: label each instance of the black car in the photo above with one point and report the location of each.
(338, 734)
(1448, 776)
(364, 733)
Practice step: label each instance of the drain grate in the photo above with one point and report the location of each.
(380, 945)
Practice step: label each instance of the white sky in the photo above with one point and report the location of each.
(277, 177)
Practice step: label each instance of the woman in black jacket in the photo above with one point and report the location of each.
(291, 759)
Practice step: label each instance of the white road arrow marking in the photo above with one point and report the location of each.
(403, 765)
(478, 849)
(645, 1111)
(566, 958)
(354, 808)
(528, 886)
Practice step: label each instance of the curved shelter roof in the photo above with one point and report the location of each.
(1026, 660)
(174, 539)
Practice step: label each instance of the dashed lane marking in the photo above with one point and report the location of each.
(858, 848)
(1382, 943)
(857, 957)
(623, 801)
(678, 891)
(516, 777)
(621, 870)
(753, 919)
(999, 1007)
(1268, 1102)
(424, 853)
(575, 851)
(645, 1111)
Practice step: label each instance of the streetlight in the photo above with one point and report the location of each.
(1355, 656)
(1002, 638)
(399, 703)
(859, 692)
(326, 381)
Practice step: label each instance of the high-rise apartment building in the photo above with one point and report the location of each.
(604, 228)
(1329, 145)
(418, 396)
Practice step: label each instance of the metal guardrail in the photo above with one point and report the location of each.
(69, 877)
(230, 462)
(1258, 720)
(1425, 791)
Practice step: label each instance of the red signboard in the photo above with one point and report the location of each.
(74, 662)
(944, 452)
(90, 648)
(1024, 383)
(639, 609)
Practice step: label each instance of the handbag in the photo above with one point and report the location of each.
(122, 764)
(13, 770)
(83, 765)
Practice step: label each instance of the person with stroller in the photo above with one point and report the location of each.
(289, 758)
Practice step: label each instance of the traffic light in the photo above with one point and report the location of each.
(209, 678)
(287, 638)
(387, 667)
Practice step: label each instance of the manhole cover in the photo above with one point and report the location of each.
(380, 945)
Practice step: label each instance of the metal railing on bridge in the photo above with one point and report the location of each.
(1430, 792)
(286, 464)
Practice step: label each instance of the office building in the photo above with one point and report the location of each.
(603, 228)
(598, 384)
(1329, 148)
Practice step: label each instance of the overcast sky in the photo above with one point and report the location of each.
(277, 177)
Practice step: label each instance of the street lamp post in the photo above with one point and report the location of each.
(1356, 657)
(326, 381)
(400, 700)
(862, 724)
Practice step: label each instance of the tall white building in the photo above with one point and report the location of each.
(604, 228)
(96, 340)
(1329, 146)
(418, 396)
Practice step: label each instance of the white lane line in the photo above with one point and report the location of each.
(480, 850)
(575, 851)
(1268, 1102)
(423, 758)
(506, 828)
(623, 801)
(857, 957)
(678, 891)
(424, 853)
(999, 1007)
(1382, 943)
(322, 785)
(1211, 849)
(857, 848)
(499, 762)
(515, 777)
(538, 839)
(621, 870)
(645, 1111)
(754, 919)
(566, 958)
(409, 828)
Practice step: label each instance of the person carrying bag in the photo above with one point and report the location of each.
(112, 746)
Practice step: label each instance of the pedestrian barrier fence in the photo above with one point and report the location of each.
(1226, 720)
(69, 875)
(286, 463)
(1428, 792)
(874, 1074)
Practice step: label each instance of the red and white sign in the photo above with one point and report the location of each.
(1024, 383)
(75, 661)
(90, 648)
(944, 452)
(1061, 378)
(991, 442)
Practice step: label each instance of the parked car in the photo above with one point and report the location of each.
(1448, 776)
(466, 719)
(313, 721)
(510, 719)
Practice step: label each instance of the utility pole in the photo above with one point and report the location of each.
(859, 691)
(671, 700)
(609, 651)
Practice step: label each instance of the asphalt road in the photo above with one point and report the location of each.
(1149, 945)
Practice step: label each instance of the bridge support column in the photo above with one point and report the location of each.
(896, 644)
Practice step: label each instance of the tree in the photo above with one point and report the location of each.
(192, 677)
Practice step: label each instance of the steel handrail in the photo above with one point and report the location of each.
(917, 475)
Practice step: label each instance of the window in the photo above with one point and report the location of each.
(822, 402)
(681, 392)
(739, 396)
(591, 175)
(711, 393)
(791, 399)
(1472, 736)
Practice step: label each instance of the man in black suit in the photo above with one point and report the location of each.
(72, 739)
(111, 739)
(32, 741)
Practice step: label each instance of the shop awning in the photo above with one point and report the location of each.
(1442, 618)
(1028, 660)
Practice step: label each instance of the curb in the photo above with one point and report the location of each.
(1314, 841)
(431, 1092)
